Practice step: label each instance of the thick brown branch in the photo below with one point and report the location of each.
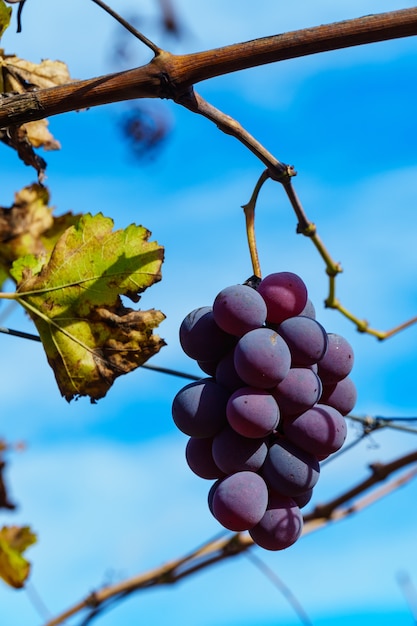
(141, 82)
(354, 32)
(170, 76)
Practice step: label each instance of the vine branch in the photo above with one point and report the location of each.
(172, 76)
(284, 174)
(223, 548)
(169, 76)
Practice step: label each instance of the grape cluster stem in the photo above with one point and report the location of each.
(282, 173)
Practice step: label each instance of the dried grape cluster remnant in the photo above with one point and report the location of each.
(272, 405)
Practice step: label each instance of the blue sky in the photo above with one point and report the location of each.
(106, 486)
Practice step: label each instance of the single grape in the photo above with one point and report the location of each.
(303, 499)
(226, 374)
(211, 494)
(262, 358)
(234, 453)
(199, 409)
(201, 338)
(252, 412)
(289, 470)
(309, 310)
(285, 295)
(299, 391)
(320, 431)
(341, 396)
(281, 525)
(239, 309)
(198, 454)
(239, 501)
(306, 339)
(208, 367)
(337, 363)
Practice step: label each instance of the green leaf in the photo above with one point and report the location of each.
(14, 568)
(89, 336)
(5, 15)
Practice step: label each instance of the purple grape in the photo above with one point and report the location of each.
(309, 310)
(303, 499)
(337, 363)
(210, 495)
(208, 367)
(262, 358)
(201, 338)
(252, 412)
(281, 525)
(234, 453)
(299, 391)
(285, 295)
(239, 501)
(239, 309)
(320, 431)
(198, 454)
(289, 470)
(226, 374)
(199, 409)
(341, 396)
(306, 339)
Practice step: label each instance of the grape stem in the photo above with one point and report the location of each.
(218, 549)
(249, 210)
(173, 76)
(282, 173)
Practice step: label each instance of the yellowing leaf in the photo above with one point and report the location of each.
(5, 14)
(19, 75)
(38, 135)
(89, 336)
(22, 225)
(14, 568)
(28, 227)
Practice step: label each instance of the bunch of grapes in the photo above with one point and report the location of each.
(271, 407)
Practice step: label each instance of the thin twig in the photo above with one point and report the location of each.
(315, 523)
(156, 368)
(344, 449)
(284, 174)
(280, 585)
(223, 548)
(380, 471)
(19, 333)
(37, 602)
(171, 372)
(410, 593)
(228, 125)
(371, 424)
(129, 27)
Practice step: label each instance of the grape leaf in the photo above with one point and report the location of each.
(89, 336)
(14, 568)
(28, 227)
(5, 15)
(17, 76)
